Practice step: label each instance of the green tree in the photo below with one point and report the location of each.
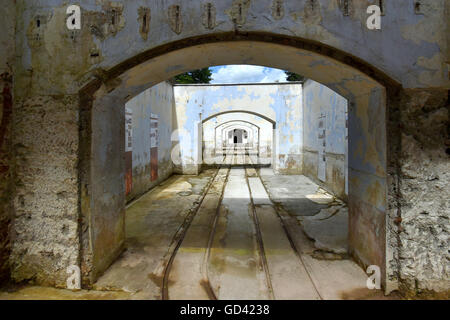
(291, 76)
(195, 76)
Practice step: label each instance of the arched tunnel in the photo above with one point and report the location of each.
(148, 188)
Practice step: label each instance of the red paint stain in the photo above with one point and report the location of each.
(154, 163)
(128, 172)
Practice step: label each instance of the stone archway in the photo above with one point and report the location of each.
(367, 142)
(234, 118)
(262, 116)
(123, 49)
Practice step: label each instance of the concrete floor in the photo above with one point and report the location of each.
(230, 233)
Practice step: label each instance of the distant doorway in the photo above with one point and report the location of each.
(239, 135)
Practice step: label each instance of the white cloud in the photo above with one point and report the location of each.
(246, 74)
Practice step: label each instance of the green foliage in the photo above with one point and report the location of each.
(195, 76)
(291, 76)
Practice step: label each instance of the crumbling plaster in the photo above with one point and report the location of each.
(325, 116)
(419, 58)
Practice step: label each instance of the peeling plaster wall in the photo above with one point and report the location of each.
(7, 53)
(411, 48)
(157, 100)
(278, 103)
(323, 104)
(46, 227)
(103, 190)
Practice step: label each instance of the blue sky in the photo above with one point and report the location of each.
(246, 74)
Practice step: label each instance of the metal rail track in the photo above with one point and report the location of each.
(260, 243)
(205, 269)
(180, 235)
(181, 232)
(178, 238)
(288, 235)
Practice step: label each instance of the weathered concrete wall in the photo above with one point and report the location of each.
(288, 151)
(216, 134)
(158, 100)
(46, 195)
(278, 103)
(419, 180)
(403, 49)
(103, 201)
(7, 53)
(324, 127)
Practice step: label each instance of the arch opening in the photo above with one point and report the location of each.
(254, 137)
(101, 112)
